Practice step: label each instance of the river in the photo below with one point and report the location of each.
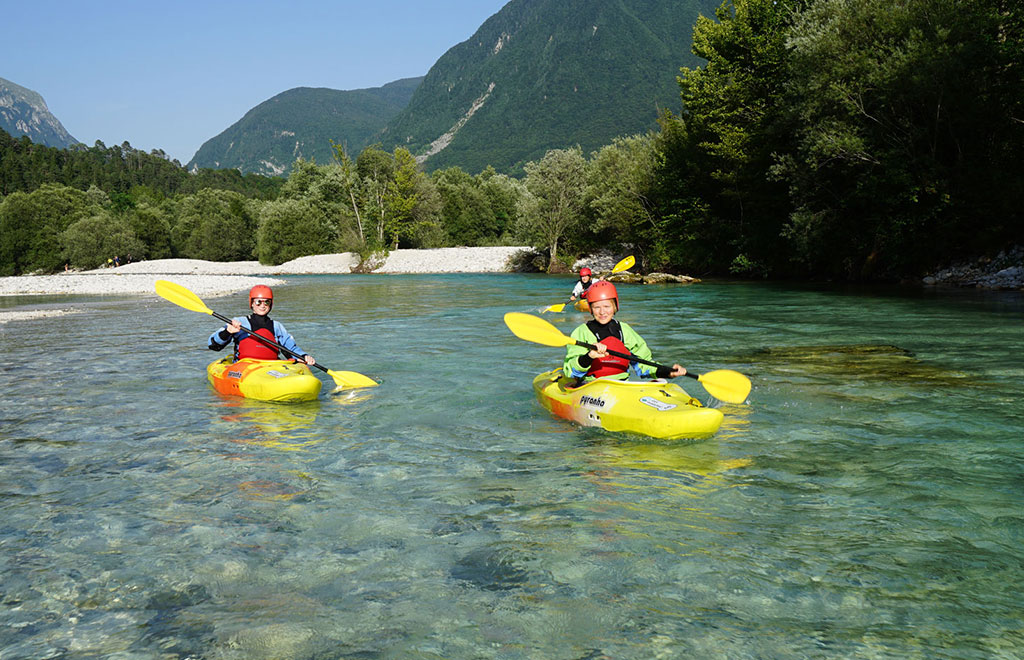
(867, 501)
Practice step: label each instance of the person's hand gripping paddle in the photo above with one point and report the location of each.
(723, 384)
(182, 297)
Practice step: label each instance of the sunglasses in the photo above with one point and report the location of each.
(260, 301)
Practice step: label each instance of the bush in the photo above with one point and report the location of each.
(215, 225)
(290, 229)
(31, 225)
(528, 261)
(89, 242)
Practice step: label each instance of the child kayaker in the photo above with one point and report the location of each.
(586, 279)
(261, 300)
(608, 334)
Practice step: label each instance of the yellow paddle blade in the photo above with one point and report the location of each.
(726, 385)
(535, 329)
(351, 379)
(181, 297)
(625, 264)
(553, 308)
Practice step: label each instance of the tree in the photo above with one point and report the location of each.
(31, 224)
(620, 180)
(716, 181)
(502, 193)
(400, 197)
(151, 224)
(554, 201)
(89, 242)
(292, 228)
(216, 225)
(909, 151)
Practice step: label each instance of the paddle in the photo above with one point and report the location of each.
(182, 297)
(625, 264)
(723, 384)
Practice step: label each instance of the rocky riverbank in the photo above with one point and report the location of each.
(1005, 271)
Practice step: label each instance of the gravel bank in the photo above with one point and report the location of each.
(207, 278)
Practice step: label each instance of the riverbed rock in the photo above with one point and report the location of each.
(668, 278)
(652, 278)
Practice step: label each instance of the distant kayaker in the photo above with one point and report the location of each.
(586, 279)
(261, 300)
(608, 334)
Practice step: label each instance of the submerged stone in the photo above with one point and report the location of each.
(882, 361)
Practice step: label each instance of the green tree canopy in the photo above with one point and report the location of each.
(554, 202)
(292, 228)
(89, 242)
(31, 225)
(216, 225)
(911, 133)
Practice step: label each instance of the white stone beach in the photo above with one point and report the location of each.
(214, 278)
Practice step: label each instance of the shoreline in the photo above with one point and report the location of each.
(211, 278)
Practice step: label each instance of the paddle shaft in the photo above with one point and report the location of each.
(628, 356)
(271, 342)
(633, 358)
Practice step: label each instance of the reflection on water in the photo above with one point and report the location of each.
(289, 427)
(865, 504)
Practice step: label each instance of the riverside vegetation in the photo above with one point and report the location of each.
(822, 139)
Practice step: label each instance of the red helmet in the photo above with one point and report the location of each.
(584, 271)
(261, 291)
(602, 290)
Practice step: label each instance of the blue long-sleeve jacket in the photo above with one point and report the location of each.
(221, 338)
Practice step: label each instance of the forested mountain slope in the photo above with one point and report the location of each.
(543, 74)
(300, 123)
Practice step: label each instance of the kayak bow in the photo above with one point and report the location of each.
(655, 408)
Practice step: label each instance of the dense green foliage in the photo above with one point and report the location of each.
(89, 241)
(24, 166)
(303, 123)
(553, 205)
(31, 225)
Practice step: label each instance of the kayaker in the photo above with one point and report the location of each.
(586, 279)
(261, 300)
(606, 334)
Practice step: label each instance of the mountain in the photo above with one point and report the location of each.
(300, 123)
(24, 112)
(543, 74)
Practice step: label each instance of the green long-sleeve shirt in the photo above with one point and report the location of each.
(572, 368)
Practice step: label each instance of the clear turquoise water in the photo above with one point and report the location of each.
(869, 502)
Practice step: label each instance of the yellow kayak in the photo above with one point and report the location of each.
(267, 380)
(656, 408)
(582, 305)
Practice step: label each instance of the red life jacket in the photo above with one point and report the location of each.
(611, 365)
(255, 349)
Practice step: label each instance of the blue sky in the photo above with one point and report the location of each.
(171, 75)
